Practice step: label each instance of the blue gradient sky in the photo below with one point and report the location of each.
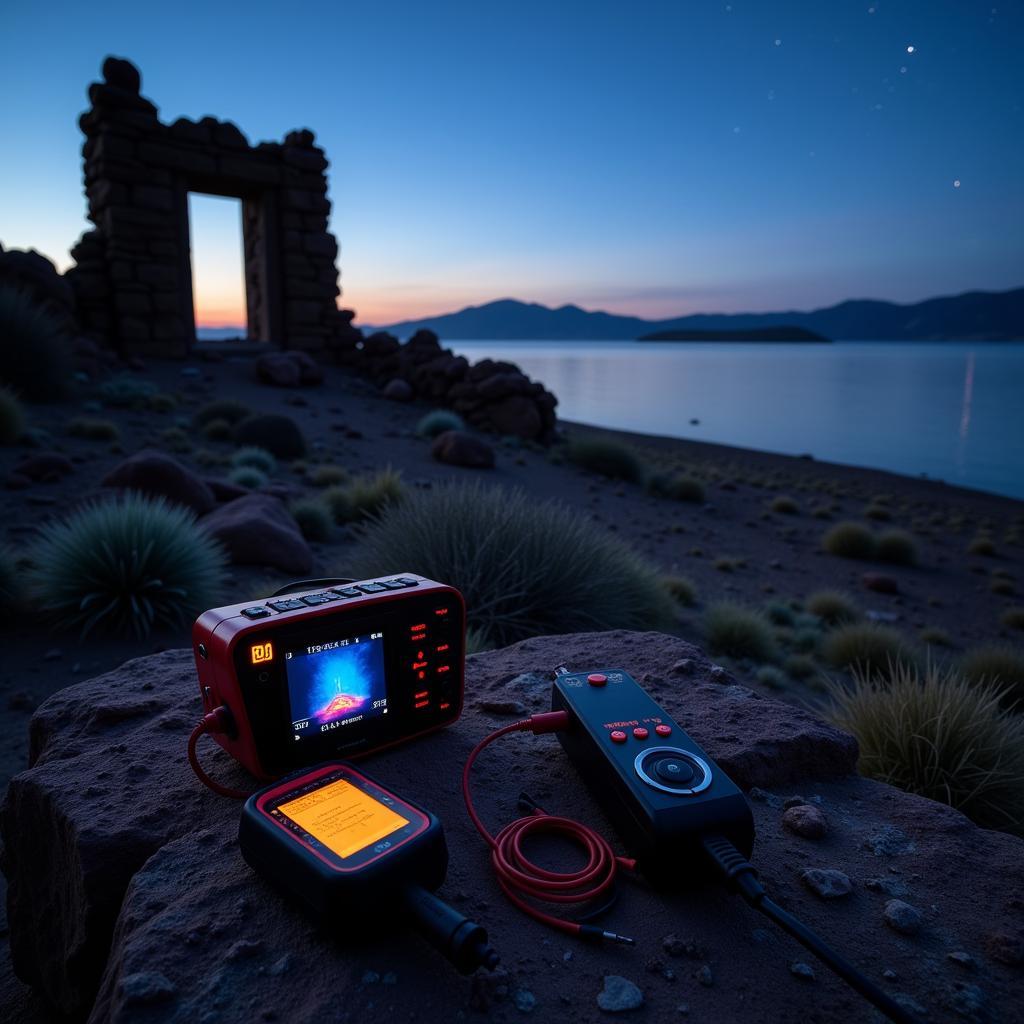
(646, 158)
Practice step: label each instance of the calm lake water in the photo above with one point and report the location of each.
(952, 410)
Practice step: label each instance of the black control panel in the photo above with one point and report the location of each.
(662, 793)
(334, 686)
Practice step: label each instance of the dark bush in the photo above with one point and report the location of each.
(607, 457)
(35, 360)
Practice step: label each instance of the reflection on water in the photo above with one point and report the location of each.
(951, 410)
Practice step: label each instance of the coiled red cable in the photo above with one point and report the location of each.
(519, 877)
(211, 723)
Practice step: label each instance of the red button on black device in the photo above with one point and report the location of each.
(597, 679)
(663, 730)
(640, 732)
(618, 736)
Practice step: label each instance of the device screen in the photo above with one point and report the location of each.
(345, 818)
(336, 683)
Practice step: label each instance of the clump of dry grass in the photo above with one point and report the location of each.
(833, 607)
(739, 632)
(867, 646)
(850, 540)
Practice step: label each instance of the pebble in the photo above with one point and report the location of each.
(968, 1000)
(889, 974)
(705, 977)
(503, 707)
(146, 987)
(370, 977)
(683, 1009)
(888, 841)
(801, 970)
(828, 883)
(902, 917)
(53, 654)
(525, 1000)
(619, 994)
(806, 820)
(245, 948)
(718, 674)
(963, 959)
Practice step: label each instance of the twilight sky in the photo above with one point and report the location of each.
(648, 158)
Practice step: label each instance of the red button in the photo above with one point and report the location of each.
(597, 679)
(663, 730)
(640, 732)
(618, 736)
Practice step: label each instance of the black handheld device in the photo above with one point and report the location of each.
(343, 845)
(678, 813)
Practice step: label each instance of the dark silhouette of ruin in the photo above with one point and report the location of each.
(133, 275)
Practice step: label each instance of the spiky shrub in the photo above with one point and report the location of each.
(785, 506)
(129, 564)
(314, 518)
(248, 476)
(896, 547)
(365, 496)
(677, 487)
(525, 567)
(34, 357)
(867, 646)
(218, 430)
(1001, 664)
(739, 632)
(476, 641)
(849, 540)
(833, 607)
(607, 457)
(93, 429)
(934, 733)
(12, 417)
(438, 421)
(228, 409)
(255, 458)
(680, 589)
(328, 476)
(127, 392)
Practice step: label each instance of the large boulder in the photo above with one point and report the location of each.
(277, 434)
(258, 529)
(126, 880)
(457, 448)
(289, 369)
(160, 475)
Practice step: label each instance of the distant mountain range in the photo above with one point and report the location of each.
(972, 316)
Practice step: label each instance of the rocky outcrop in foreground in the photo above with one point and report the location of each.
(129, 899)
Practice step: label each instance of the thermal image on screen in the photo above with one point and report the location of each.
(336, 683)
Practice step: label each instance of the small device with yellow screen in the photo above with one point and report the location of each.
(345, 847)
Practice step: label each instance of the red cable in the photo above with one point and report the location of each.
(211, 723)
(518, 876)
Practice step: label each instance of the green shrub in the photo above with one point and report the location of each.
(218, 430)
(1013, 618)
(365, 496)
(833, 607)
(1001, 664)
(677, 488)
(868, 646)
(127, 392)
(477, 642)
(780, 614)
(785, 506)
(34, 358)
(255, 458)
(770, 676)
(526, 568)
(12, 417)
(680, 589)
(93, 429)
(607, 457)
(175, 439)
(314, 518)
(328, 476)
(936, 734)
(800, 666)
(849, 540)
(132, 563)
(932, 636)
(248, 476)
(896, 547)
(877, 512)
(228, 409)
(982, 545)
(1002, 586)
(439, 421)
(739, 632)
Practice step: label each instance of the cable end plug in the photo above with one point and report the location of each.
(549, 721)
(595, 934)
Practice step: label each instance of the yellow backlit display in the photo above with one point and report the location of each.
(343, 817)
(262, 652)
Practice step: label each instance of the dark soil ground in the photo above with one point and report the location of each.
(732, 547)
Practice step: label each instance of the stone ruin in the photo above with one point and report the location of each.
(133, 277)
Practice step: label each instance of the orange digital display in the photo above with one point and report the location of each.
(343, 817)
(262, 652)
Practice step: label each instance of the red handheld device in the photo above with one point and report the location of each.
(331, 672)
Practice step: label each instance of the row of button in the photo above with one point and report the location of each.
(640, 733)
(258, 611)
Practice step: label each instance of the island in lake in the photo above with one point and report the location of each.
(747, 334)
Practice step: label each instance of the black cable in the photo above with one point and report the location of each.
(741, 876)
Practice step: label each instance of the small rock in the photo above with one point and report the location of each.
(683, 667)
(880, 583)
(888, 841)
(160, 476)
(792, 801)
(147, 987)
(890, 975)
(683, 1009)
(525, 1000)
(619, 994)
(968, 1001)
(398, 390)
(503, 707)
(718, 674)
(457, 448)
(53, 654)
(801, 970)
(259, 530)
(902, 917)
(705, 977)
(244, 949)
(279, 435)
(370, 977)
(963, 959)
(806, 820)
(828, 883)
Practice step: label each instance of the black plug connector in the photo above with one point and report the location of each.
(462, 941)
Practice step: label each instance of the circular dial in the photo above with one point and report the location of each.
(672, 770)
